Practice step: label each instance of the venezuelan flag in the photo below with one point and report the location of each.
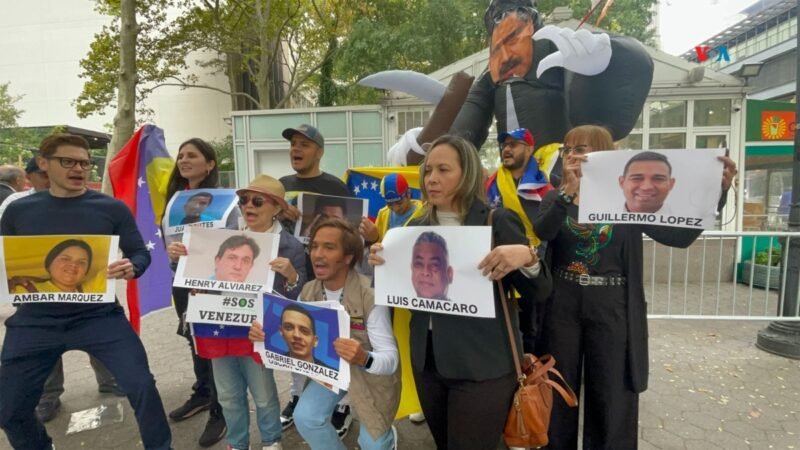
(365, 182)
(139, 175)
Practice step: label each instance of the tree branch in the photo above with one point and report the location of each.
(183, 85)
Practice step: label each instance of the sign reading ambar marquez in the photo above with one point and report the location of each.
(674, 188)
(227, 260)
(435, 269)
(57, 269)
(299, 338)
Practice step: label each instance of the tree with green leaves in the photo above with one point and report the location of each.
(629, 17)
(15, 143)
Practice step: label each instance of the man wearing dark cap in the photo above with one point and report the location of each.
(38, 180)
(305, 153)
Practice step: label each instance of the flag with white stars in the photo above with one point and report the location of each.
(139, 175)
(365, 182)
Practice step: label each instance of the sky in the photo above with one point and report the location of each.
(686, 23)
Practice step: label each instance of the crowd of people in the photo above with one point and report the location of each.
(576, 288)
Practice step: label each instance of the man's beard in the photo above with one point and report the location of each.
(517, 163)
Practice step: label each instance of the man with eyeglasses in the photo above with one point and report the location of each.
(39, 333)
(519, 185)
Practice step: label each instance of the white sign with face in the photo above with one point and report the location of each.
(676, 188)
(227, 260)
(435, 269)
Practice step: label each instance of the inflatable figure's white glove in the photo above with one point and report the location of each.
(399, 151)
(581, 51)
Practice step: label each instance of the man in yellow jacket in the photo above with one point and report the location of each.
(399, 209)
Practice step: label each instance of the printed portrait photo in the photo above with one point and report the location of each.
(301, 331)
(227, 260)
(58, 264)
(660, 187)
(209, 207)
(435, 269)
(314, 207)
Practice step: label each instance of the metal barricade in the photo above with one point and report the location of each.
(717, 278)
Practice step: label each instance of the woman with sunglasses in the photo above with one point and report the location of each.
(596, 320)
(195, 168)
(237, 368)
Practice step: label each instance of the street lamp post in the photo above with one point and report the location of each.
(783, 337)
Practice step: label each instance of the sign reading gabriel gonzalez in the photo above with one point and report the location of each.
(444, 270)
(300, 336)
(675, 188)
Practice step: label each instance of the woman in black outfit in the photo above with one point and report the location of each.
(463, 366)
(195, 168)
(596, 320)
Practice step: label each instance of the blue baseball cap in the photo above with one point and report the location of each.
(394, 187)
(519, 134)
(306, 130)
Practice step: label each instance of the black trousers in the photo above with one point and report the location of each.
(463, 414)
(30, 353)
(203, 386)
(585, 329)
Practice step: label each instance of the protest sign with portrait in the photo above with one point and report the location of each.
(203, 208)
(65, 269)
(435, 269)
(314, 207)
(227, 260)
(299, 338)
(677, 188)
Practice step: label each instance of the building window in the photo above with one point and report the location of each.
(667, 114)
(632, 142)
(709, 113)
(660, 141)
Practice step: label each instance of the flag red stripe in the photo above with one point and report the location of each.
(123, 172)
(133, 305)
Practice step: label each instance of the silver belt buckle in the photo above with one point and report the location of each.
(584, 279)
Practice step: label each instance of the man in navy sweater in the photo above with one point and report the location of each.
(39, 333)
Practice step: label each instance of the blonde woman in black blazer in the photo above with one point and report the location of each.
(463, 366)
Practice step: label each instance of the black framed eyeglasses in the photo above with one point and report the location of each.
(69, 163)
(257, 201)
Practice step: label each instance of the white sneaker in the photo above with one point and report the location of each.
(275, 446)
(416, 418)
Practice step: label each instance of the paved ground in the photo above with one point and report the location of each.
(710, 388)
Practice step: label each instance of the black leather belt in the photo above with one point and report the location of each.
(584, 279)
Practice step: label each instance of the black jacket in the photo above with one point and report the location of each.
(477, 349)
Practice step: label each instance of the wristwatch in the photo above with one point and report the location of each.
(369, 362)
(292, 286)
(566, 198)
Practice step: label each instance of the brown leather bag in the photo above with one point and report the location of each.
(529, 417)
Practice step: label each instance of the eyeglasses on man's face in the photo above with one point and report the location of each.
(69, 163)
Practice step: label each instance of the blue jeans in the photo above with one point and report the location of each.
(233, 376)
(312, 417)
(30, 353)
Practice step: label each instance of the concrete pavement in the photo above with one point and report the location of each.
(710, 388)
